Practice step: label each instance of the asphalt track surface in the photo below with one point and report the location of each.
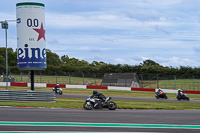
(16, 119)
(131, 98)
(19, 119)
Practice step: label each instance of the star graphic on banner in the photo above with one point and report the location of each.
(41, 32)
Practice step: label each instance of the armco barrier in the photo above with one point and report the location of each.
(27, 96)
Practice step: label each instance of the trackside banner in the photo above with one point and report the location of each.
(31, 41)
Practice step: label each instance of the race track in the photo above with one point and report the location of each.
(79, 120)
(130, 98)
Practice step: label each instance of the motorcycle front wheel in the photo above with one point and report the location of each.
(112, 105)
(87, 106)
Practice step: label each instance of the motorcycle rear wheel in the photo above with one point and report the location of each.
(87, 106)
(188, 99)
(60, 92)
(112, 105)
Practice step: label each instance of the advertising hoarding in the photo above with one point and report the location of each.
(31, 41)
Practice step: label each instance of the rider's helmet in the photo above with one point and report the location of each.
(95, 92)
(57, 85)
(159, 89)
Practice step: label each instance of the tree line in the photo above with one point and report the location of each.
(65, 65)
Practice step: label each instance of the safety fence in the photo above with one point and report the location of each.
(27, 96)
(95, 87)
(143, 81)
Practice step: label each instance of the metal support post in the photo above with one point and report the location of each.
(21, 76)
(6, 62)
(175, 81)
(56, 77)
(40, 76)
(95, 79)
(69, 77)
(4, 25)
(32, 80)
(142, 80)
(157, 82)
(83, 78)
(193, 83)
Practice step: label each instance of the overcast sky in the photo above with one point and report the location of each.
(118, 31)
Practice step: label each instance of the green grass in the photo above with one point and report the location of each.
(119, 93)
(122, 104)
(78, 103)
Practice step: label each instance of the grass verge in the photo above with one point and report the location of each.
(122, 104)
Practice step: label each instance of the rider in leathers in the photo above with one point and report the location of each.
(99, 95)
(56, 88)
(181, 93)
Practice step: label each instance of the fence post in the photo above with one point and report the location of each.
(83, 78)
(194, 83)
(10, 74)
(69, 77)
(3, 74)
(142, 80)
(28, 76)
(125, 79)
(95, 78)
(110, 74)
(175, 81)
(40, 76)
(56, 77)
(21, 76)
(157, 81)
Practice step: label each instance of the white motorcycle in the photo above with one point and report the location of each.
(95, 103)
(59, 90)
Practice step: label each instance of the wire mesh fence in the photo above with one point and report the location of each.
(55, 78)
(144, 81)
(169, 82)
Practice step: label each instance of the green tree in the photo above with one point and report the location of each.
(52, 58)
(149, 63)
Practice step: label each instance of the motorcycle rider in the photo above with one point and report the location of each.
(56, 88)
(99, 95)
(159, 92)
(181, 93)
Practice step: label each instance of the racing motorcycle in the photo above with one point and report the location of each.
(160, 95)
(183, 97)
(96, 103)
(59, 90)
